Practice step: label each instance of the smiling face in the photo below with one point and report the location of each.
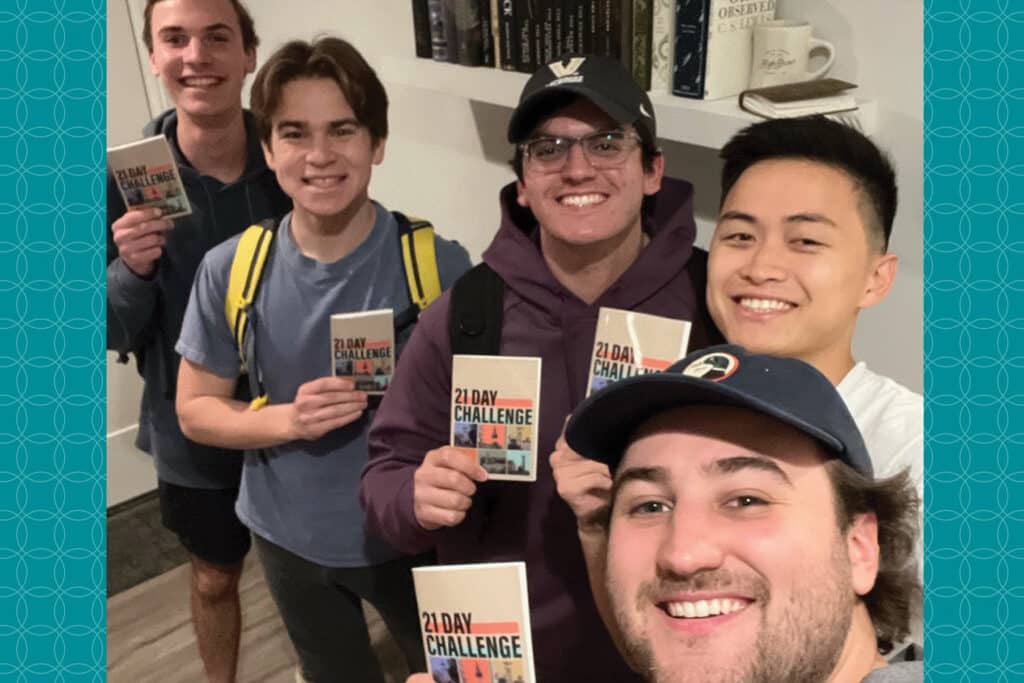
(725, 560)
(322, 155)
(199, 56)
(580, 205)
(791, 263)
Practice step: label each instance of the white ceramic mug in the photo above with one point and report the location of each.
(782, 49)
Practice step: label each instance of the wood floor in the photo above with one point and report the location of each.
(150, 638)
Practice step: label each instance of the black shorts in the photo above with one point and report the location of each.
(205, 522)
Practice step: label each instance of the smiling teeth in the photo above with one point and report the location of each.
(765, 304)
(200, 81)
(582, 199)
(322, 182)
(703, 608)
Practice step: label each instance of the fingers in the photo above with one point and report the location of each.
(443, 487)
(139, 236)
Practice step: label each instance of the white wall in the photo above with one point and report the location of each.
(446, 156)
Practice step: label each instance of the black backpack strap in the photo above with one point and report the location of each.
(475, 312)
(697, 271)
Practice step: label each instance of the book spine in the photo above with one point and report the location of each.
(508, 40)
(468, 32)
(557, 29)
(542, 45)
(604, 40)
(588, 44)
(570, 28)
(438, 31)
(641, 53)
(691, 47)
(524, 14)
(487, 34)
(451, 29)
(661, 46)
(621, 28)
(421, 28)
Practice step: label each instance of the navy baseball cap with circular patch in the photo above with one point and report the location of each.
(786, 389)
(602, 80)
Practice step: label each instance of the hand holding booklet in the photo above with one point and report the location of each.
(147, 176)
(363, 348)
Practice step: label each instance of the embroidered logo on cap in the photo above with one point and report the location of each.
(713, 367)
(562, 70)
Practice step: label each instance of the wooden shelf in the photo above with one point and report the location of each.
(694, 122)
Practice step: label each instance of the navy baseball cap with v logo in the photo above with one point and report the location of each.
(786, 389)
(602, 80)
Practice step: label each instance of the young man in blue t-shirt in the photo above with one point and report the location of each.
(322, 116)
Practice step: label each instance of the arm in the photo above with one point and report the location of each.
(135, 239)
(208, 413)
(586, 486)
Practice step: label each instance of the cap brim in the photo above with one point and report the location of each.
(527, 114)
(603, 425)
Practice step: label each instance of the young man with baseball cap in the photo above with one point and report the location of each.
(589, 222)
(747, 538)
(201, 50)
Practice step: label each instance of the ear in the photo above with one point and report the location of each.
(378, 151)
(268, 154)
(521, 195)
(862, 548)
(153, 66)
(652, 178)
(880, 279)
(250, 61)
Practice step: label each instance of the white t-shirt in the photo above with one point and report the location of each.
(891, 420)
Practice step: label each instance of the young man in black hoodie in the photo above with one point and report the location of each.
(201, 50)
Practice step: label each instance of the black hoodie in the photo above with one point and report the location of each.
(144, 314)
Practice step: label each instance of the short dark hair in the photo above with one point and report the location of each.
(250, 40)
(331, 58)
(896, 505)
(648, 153)
(819, 139)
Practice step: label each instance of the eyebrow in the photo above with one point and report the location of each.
(205, 29)
(794, 218)
(654, 475)
(738, 463)
(303, 124)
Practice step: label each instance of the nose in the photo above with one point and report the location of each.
(320, 151)
(195, 51)
(689, 545)
(765, 263)
(577, 166)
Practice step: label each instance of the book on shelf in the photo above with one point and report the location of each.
(438, 31)
(475, 622)
(628, 343)
(508, 40)
(822, 96)
(714, 45)
(148, 177)
(421, 28)
(495, 410)
(363, 348)
(662, 15)
(640, 54)
(526, 12)
(488, 34)
(464, 31)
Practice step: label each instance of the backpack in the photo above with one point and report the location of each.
(475, 311)
(415, 239)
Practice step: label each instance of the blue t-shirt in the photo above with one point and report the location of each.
(303, 495)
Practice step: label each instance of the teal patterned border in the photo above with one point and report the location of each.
(974, 350)
(52, 366)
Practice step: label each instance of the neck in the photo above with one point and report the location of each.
(329, 238)
(588, 270)
(215, 145)
(860, 654)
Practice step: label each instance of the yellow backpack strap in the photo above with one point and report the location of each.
(246, 270)
(417, 238)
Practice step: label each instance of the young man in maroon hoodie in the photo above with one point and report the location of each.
(590, 222)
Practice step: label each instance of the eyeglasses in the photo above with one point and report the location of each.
(604, 149)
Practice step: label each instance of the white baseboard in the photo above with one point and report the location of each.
(130, 472)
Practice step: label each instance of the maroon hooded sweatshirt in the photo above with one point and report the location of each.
(511, 521)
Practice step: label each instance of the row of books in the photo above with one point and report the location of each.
(692, 48)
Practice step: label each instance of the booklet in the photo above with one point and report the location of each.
(628, 343)
(495, 410)
(363, 348)
(475, 620)
(147, 176)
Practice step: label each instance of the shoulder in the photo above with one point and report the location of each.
(452, 258)
(862, 386)
(901, 672)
